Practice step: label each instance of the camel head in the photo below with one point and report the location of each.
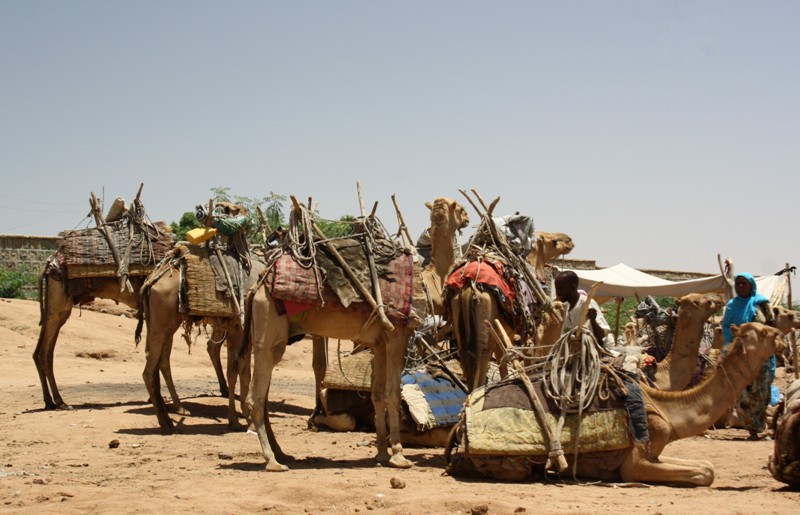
(448, 213)
(552, 244)
(756, 339)
(705, 304)
(786, 319)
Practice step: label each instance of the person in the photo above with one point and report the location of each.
(750, 306)
(567, 291)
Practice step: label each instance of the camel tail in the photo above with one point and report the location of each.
(467, 333)
(42, 297)
(143, 301)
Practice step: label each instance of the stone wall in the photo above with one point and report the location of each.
(28, 253)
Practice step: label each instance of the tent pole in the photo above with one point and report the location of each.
(793, 336)
(616, 329)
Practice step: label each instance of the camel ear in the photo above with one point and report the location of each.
(734, 330)
(775, 311)
(429, 205)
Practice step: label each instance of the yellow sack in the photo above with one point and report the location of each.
(199, 235)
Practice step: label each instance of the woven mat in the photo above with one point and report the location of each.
(355, 372)
(86, 252)
(202, 296)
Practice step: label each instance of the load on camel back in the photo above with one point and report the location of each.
(108, 261)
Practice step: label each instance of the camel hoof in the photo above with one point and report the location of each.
(274, 466)
(399, 461)
(235, 425)
(63, 406)
(180, 410)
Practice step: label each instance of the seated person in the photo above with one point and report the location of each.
(567, 291)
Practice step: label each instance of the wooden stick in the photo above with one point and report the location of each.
(123, 269)
(403, 228)
(504, 344)
(361, 199)
(101, 226)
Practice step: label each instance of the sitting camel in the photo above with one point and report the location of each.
(548, 246)
(675, 415)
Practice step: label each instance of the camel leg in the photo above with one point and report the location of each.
(379, 400)
(236, 370)
(214, 347)
(269, 336)
(395, 349)
(319, 362)
(166, 371)
(638, 467)
(163, 319)
(57, 309)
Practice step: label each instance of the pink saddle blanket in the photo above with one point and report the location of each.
(297, 287)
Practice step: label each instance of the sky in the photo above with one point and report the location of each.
(658, 134)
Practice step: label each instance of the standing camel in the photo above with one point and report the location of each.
(159, 309)
(447, 218)
(85, 267)
(672, 416)
(270, 331)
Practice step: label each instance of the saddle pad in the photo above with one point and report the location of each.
(514, 430)
(293, 283)
(432, 402)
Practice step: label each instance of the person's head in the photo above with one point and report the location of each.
(567, 286)
(744, 284)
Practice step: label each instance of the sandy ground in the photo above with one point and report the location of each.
(60, 461)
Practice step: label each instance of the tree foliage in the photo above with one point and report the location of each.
(16, 284)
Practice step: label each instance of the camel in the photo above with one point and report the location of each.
(56, 303)
(159, 309)
(675, 415)
(447, 217)
(675, 371)
(548, 246)
(470, 307)
(269, 332)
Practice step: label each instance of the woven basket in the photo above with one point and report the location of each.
(201, 287)
(355, 372)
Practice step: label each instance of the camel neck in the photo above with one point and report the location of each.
(690, 412)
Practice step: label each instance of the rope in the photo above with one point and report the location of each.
(572, 376)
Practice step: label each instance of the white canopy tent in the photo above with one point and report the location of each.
(623, 281)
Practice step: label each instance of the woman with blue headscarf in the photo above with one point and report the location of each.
(750, 306)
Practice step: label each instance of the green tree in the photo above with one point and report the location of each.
(187, 222)
(16, 284)
(337, 228)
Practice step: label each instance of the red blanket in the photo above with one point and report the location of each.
(486, 272)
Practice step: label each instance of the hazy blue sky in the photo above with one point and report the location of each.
(655, 133)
